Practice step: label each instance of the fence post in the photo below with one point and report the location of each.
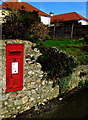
(72, 30)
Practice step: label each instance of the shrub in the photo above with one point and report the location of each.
(17, 24)
(24, 25)
(56, 64)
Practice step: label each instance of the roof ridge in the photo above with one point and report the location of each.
(64, 13)
(77, 14)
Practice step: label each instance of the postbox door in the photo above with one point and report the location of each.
(14, 75)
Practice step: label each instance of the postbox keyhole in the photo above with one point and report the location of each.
(14, 59)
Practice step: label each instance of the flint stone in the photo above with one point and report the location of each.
(25, 99)
(33, 91)
(18, 102)
(31, 99)
(38, 81)
(43, 83)
(5, 103)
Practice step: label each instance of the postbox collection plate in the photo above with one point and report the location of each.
(14, 67)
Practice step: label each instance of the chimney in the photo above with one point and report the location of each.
(51, 14)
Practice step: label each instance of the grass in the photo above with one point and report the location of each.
(72, 47)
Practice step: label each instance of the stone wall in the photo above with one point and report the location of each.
(80, 74)
(35, 90)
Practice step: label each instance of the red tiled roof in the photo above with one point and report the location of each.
(18, 5)
(67, 17)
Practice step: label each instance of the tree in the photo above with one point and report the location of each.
(19, 25)
(38, 31)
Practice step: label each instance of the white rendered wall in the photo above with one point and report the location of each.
(83, 22)
(45, 20)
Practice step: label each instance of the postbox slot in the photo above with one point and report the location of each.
(12, 52)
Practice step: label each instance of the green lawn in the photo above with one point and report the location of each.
(72, 47)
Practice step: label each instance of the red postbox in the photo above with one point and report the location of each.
(14, 67)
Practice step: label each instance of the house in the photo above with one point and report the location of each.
(17, 5)
(69, 17)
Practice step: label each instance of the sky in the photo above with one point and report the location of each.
(58, 7)
(61, 7)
